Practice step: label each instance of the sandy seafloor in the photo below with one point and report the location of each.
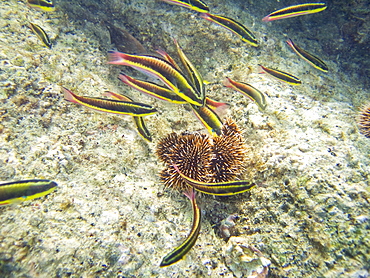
(111, 216)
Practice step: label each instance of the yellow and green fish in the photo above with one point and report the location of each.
(194, 75)
(209, 119)
(163, 93)
(41, 5)
(308, 57)
(41, 34)
(206, 114)
(151, 89)
(295, 10)
(249, 91)
(227, 188)
(233, 26)
(139, 120)
(19, 191)
(179, 252)
(282, 76)
(110, 106)
(161, 69)
(195, 5)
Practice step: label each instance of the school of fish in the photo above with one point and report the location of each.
(182, 85)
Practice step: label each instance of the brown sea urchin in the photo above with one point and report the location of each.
(363, 121)
(201, 157)
(191, 152)
(229, 153)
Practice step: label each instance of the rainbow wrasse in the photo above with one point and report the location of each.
(179, 252)
(209, 119)
(216, 105)
(161, 69)
(194, 76)
(282, 76)
(110, 106)
(152, 89)
(217, 188)
(163, 93)
(41, 5)
(195, 5)
(19, 191)
(233, 26)
(41, 34)
(249, 91)
(139, 120)
(295, 10)
(192, 71)
(308, 57)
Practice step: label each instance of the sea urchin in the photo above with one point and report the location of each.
(363, 120)
(201, 157)
(192, 153)
(229, 153)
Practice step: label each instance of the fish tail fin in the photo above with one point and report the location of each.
(227, 82)
(205, 16)
(261, 69)
(162, 52)
(215, 104)
(68, 95)
(190, 194)
(116, 58)
(176, 168)
(266, 19)
(109, 94)
(124, 78)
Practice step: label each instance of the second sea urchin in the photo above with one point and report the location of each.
(363, 121)
(229, 153)
(201, 157)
